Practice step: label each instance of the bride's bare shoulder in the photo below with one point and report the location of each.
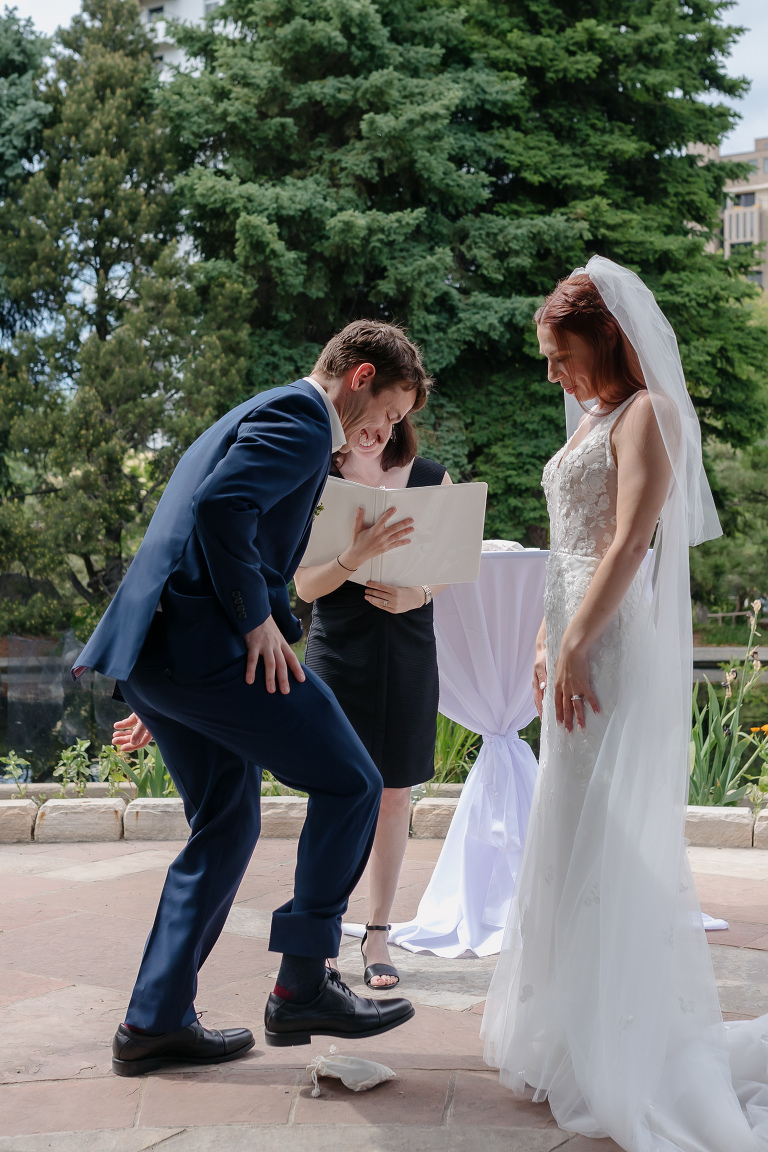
(637, 431)
(639, 419)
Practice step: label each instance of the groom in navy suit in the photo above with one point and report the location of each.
(198, 639)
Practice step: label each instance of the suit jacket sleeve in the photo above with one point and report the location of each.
(286, 442)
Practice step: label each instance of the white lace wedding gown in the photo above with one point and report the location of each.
(584, 1008)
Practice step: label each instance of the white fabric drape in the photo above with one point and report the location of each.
(486, 635)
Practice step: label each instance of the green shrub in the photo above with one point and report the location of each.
(456, 749)
(721, 754)
(39, 616)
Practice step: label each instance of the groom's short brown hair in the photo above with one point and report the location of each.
(397, 359)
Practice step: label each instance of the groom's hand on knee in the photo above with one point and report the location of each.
(268, 643)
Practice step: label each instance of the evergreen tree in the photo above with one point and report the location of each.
(614, 95)
(128, 350)
(731, 571)
(22, 113)
(444, 166)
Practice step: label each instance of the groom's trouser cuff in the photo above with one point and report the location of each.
(304, 934)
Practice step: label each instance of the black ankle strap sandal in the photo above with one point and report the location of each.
(378, 969)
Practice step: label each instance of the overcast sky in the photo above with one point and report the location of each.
(748, 59)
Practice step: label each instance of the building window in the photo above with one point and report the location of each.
(211, 5)
(753, 165)
(765, 163)
(154, 15)
(755, 277)
(746, 199)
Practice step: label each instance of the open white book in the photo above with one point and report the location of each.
(445, 544)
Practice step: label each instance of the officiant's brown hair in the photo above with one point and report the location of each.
(577, 307)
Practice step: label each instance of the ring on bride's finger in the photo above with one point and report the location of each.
(577, 697)
(385, 603)
(542, 685)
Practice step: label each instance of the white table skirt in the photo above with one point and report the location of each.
(486, 634)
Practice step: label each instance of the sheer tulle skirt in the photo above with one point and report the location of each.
(604, 999)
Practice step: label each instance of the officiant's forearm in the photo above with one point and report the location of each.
(319, 580)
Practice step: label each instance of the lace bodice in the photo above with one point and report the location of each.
(581, 486)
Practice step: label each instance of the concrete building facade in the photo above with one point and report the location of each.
(745, 212)
(158, 12)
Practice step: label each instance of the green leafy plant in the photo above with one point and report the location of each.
(16, 767)
(455, 751)
(720, 759)
(270, 786)
(757, 792)
(150, 774)
(112, 768)
(74, 767)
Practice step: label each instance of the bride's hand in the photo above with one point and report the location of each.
(540, 676)
(572, 679)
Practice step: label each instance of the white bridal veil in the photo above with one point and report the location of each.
(649, 1060)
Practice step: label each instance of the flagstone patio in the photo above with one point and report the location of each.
(73, 920)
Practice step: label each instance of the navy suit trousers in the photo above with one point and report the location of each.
(217, 734)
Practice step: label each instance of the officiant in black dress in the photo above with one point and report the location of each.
(374, 646)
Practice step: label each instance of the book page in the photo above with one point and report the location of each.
(334, 523)
(447, 540)
(445, 545)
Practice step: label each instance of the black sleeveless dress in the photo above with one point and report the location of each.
(382, 668)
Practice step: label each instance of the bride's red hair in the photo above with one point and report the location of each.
(577, 307)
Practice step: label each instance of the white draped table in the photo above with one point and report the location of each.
(486, 634)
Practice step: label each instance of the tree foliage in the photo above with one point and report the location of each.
(444, 166)
(168, 249)
(22, 113)
(126, 349)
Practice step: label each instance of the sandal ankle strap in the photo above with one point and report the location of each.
(378, 927)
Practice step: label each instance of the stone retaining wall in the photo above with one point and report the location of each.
(110, 818)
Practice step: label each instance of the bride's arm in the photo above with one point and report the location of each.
(643, 481)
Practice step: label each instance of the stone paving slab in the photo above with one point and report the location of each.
(73, 919)
(307, 1138)
(742, 980)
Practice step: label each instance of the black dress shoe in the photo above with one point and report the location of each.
(134, 1053)
(336, 1011)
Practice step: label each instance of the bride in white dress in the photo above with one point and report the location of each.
(604, 999)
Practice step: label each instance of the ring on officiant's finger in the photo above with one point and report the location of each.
(385, 603)
(577, 697)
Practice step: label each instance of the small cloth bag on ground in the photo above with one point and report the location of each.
(353, 1072)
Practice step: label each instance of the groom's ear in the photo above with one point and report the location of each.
(355, 379)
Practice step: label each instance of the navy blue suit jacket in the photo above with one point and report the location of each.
(225, 539)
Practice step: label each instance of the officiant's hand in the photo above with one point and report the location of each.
(130, 734)
(267, 643)
(572, 679)
(394, 600)
(380, 537)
